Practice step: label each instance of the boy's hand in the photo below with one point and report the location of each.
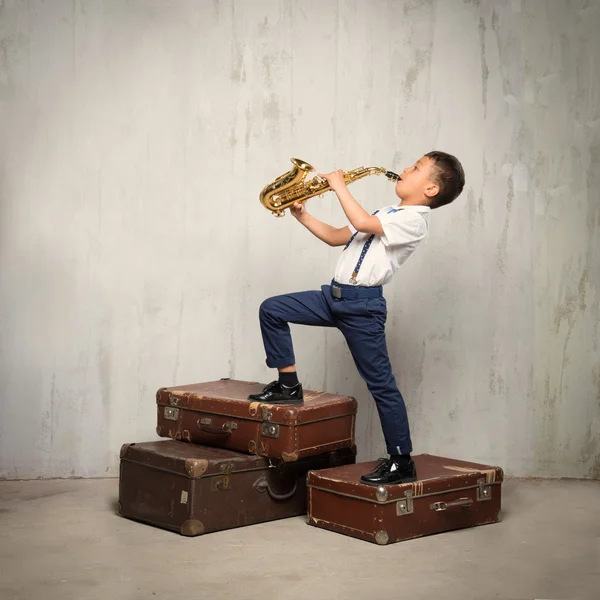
(298, 210)
(334, 179)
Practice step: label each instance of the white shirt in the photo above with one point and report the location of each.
(403, 228)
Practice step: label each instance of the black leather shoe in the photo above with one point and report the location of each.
(390, 472)
(277, 393)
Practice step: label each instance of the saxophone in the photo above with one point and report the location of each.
(291, 187)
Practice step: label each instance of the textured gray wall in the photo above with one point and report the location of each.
(136, 136)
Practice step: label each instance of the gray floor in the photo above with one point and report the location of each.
(63, 540)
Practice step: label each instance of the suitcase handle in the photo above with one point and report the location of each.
(226, 429)
(440, 506)
(262, 484)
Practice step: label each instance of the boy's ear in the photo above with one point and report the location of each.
(432, 190)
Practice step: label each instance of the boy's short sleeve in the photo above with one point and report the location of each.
(351, 228)
(402, 227)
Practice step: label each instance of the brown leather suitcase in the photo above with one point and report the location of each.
(449, 494)
(196, 489)
(218, 413)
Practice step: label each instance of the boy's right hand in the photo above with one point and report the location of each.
(298, 210)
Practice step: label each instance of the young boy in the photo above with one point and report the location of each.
(375, 246)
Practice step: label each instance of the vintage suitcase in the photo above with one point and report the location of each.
(449, 494)
(195, 489)
(218, 413)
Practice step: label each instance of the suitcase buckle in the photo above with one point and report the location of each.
(171, 414)
(484, 492)
(222, 483)
(270, 430)
(405, 506)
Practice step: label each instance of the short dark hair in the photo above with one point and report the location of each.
(449, 175)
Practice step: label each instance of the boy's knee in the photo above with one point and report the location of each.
(266, 308)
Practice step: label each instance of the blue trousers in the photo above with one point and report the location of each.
(361, 320)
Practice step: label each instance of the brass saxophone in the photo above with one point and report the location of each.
(291, 187)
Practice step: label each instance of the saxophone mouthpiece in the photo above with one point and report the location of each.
(392, 176)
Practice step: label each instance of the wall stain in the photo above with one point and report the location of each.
(271, 110)
(503, 243)
(574, 302)
(497, 385)
(484, 67)
(267, 62)
(507, 58)
(416, 374)
(471, 212)
(495, 22)
(589, 448)
(104, 365)
(238, 74)
(263, 27)
(417, 6)
(249, 123)
(548, 427)
(485, 175)
(594, 472)
(593, 184)
(178, 344)
(565, 358)
(232, 136)
(422, 60)
(587, 11)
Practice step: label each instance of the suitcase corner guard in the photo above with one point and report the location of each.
(192, 527)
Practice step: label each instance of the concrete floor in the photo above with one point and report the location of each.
(63, 540)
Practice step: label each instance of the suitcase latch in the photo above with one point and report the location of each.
(222, 483)
(484, 492)
(270, 430)
(405, 506)
(171, 413)
(266, 413)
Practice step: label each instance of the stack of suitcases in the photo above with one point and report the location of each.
(231, 462)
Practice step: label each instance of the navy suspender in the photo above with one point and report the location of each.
(365, 248)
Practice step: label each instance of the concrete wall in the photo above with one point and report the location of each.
(136, 136)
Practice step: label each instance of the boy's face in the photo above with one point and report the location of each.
(416, 182)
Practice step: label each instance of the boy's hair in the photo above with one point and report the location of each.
(448, 174)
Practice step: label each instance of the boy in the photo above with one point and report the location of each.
(375, 246)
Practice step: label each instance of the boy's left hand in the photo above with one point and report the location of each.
(334, 179)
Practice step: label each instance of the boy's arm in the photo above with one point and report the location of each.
(333, 236)
(361, 220)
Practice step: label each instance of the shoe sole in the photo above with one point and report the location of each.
(404, 480)
(283, 402)
(276, 401)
